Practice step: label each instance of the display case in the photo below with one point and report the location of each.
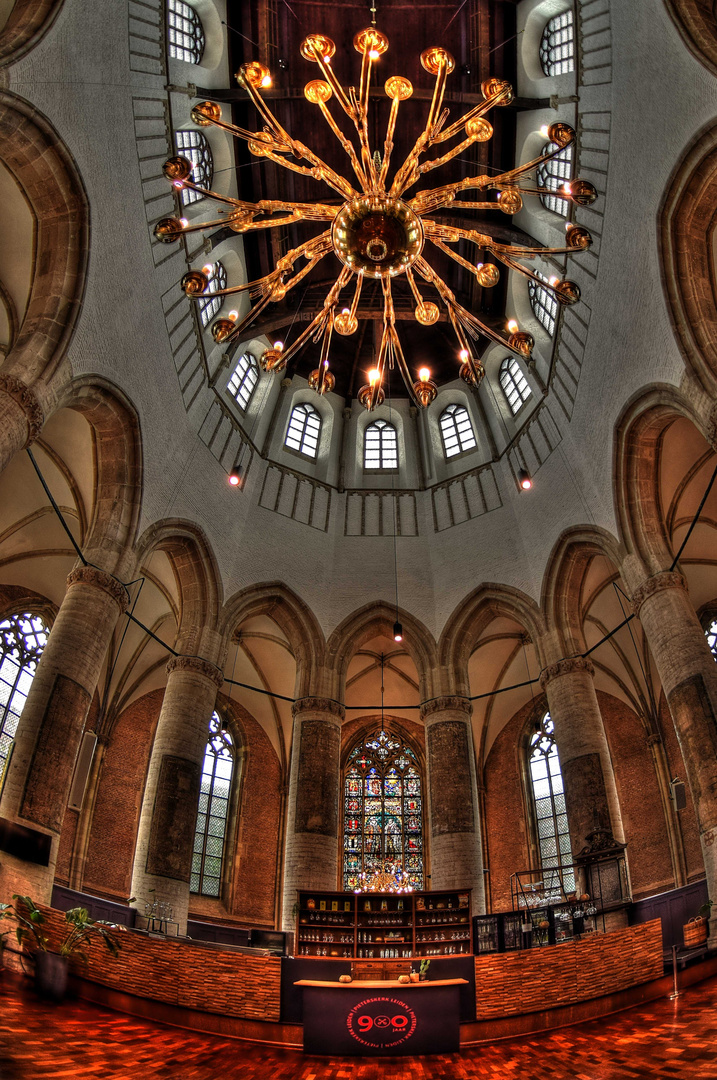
(377, 926)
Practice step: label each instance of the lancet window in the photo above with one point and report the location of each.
(557, 45)
(213, 817)
(192, 145)
(22, 639)
(546, 785)
(244, 379)
(185, 35)
(514, 384)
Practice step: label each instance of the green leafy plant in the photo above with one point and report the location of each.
(705, 910)
(81, 928)
(423, 969)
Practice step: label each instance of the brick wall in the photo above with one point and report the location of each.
(188, 976)
(687, 817)
(505, 826)
(511, 984)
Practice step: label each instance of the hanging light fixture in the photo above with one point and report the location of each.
(379, 231)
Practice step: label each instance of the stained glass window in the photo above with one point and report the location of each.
(514, 384)
(184, 32)
(543, 303)
(549, 802)
(303, 431)
(211, 831)
(383, 810)
(711, 635)
(554, 174)
(557, 45)
(22, 639)
(380, 446)
(456, 430)
(208, 304)
(243, 381)
(192, 145)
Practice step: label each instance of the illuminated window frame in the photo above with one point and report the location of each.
(456, 431)
(209, 305)
(514, 384)
(554, 174)
(192, 145)
(185, 34)
(210, 835)
(22, 639)
(543, 303)
(304, 430)
(557, 45)
(380, 446)
(547, 793)
(243, 382)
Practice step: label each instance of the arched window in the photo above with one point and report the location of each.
(557, 45)
(383, 812)
(184, 32)
(456, 430)
(211, 831)
(549, 802)
(209, 305)
(543, 303)
(554, 175)
(380, 446)
(22, 639)
(192, 145)
(711, 635)
(514, 384)
(243, 382)
(303, 431)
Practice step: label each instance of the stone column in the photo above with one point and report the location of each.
(688, 674)
(453, 808)
(588, 778)
(51, 725)
(21, 417)
(312, 827)
(165, 838)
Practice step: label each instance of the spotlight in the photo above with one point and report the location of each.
(235, 475)
(524, 480)
(397, 632)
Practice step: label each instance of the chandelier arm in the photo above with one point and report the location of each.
(525, 252)
(324, 358)
(388, 144)
(439, 90)
(507, 178)
(280, 133)
(473, 114)
(403, 177)
(207, 193)
(466, 205)
(512, 264)
(332, 80)
(201, 225)
(297, 345)
(407, 174)
(453, 255)
(414, 288)
(345, 143)
(428, 166)
(326, 173)
(403, 366)
(357, 294)
(244, 133)
(362, 129)
(249, 318)
(365, 80)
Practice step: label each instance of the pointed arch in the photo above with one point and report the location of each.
(44, 170)
(686, 235)
(118, 464)
(636, 459)
(695, 22)
(470, 618)
(298, 622)
(562, 583)
(370, 621)
(26, 26)
(196, 571)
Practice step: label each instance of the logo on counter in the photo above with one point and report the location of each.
(381, 1022)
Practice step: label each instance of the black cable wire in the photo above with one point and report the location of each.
(56, 508)
(694, 520)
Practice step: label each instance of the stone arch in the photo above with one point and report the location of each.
(198, 581)
(26, 26)
(295, 618)
(45, 172)
(473, 614)
(562, 582)
(367, 622)
(638, 433)
(686, 235)
(118, 470)
(695, 21)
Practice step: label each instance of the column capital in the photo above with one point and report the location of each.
(653, 740)
(318, 704)
(198, 666)
(444, 704)
(569, 666)
(666, 579)
(91, 575)
(26, 400)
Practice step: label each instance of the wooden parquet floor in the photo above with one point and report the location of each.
(78, 1041)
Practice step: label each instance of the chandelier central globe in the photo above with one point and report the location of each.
(377, 235)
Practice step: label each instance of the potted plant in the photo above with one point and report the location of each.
(423, 969)
(51, 967)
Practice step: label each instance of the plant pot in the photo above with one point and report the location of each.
(422, 976)
(414, 976)
(51, 975)
(694, 932)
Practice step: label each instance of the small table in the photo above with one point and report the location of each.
(381, 1018)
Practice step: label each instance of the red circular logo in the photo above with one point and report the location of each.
(381, 1022)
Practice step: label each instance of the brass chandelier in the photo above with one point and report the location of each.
(378, 232)
(389, 878)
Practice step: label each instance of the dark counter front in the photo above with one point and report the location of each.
(381, 1018)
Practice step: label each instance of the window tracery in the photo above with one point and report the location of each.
(185, 35)
(380, 446)
(208, 304)
(546, 785)
(543, 303)
(213, 816)
(554, 174)
(244, 379)
(383, 813)
(514, 384)
(192, 145)
(22, 640)
(711, 635)
(456, 431)
(557, 45)
(304, 429)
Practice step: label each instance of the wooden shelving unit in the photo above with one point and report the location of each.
(384, 926)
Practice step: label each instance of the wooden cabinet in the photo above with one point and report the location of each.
(378, 926)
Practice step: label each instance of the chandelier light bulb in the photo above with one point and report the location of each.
(373, 376)
(512, 326)
(554, 280)
(183, 222)
(207, 269)
(278, 345)
(266, 81)
(463, 355)
(524, 480)
(544, 131)
(374, 54)
(567, 189)
(233, 315)
(424, 374)
(397, 631)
